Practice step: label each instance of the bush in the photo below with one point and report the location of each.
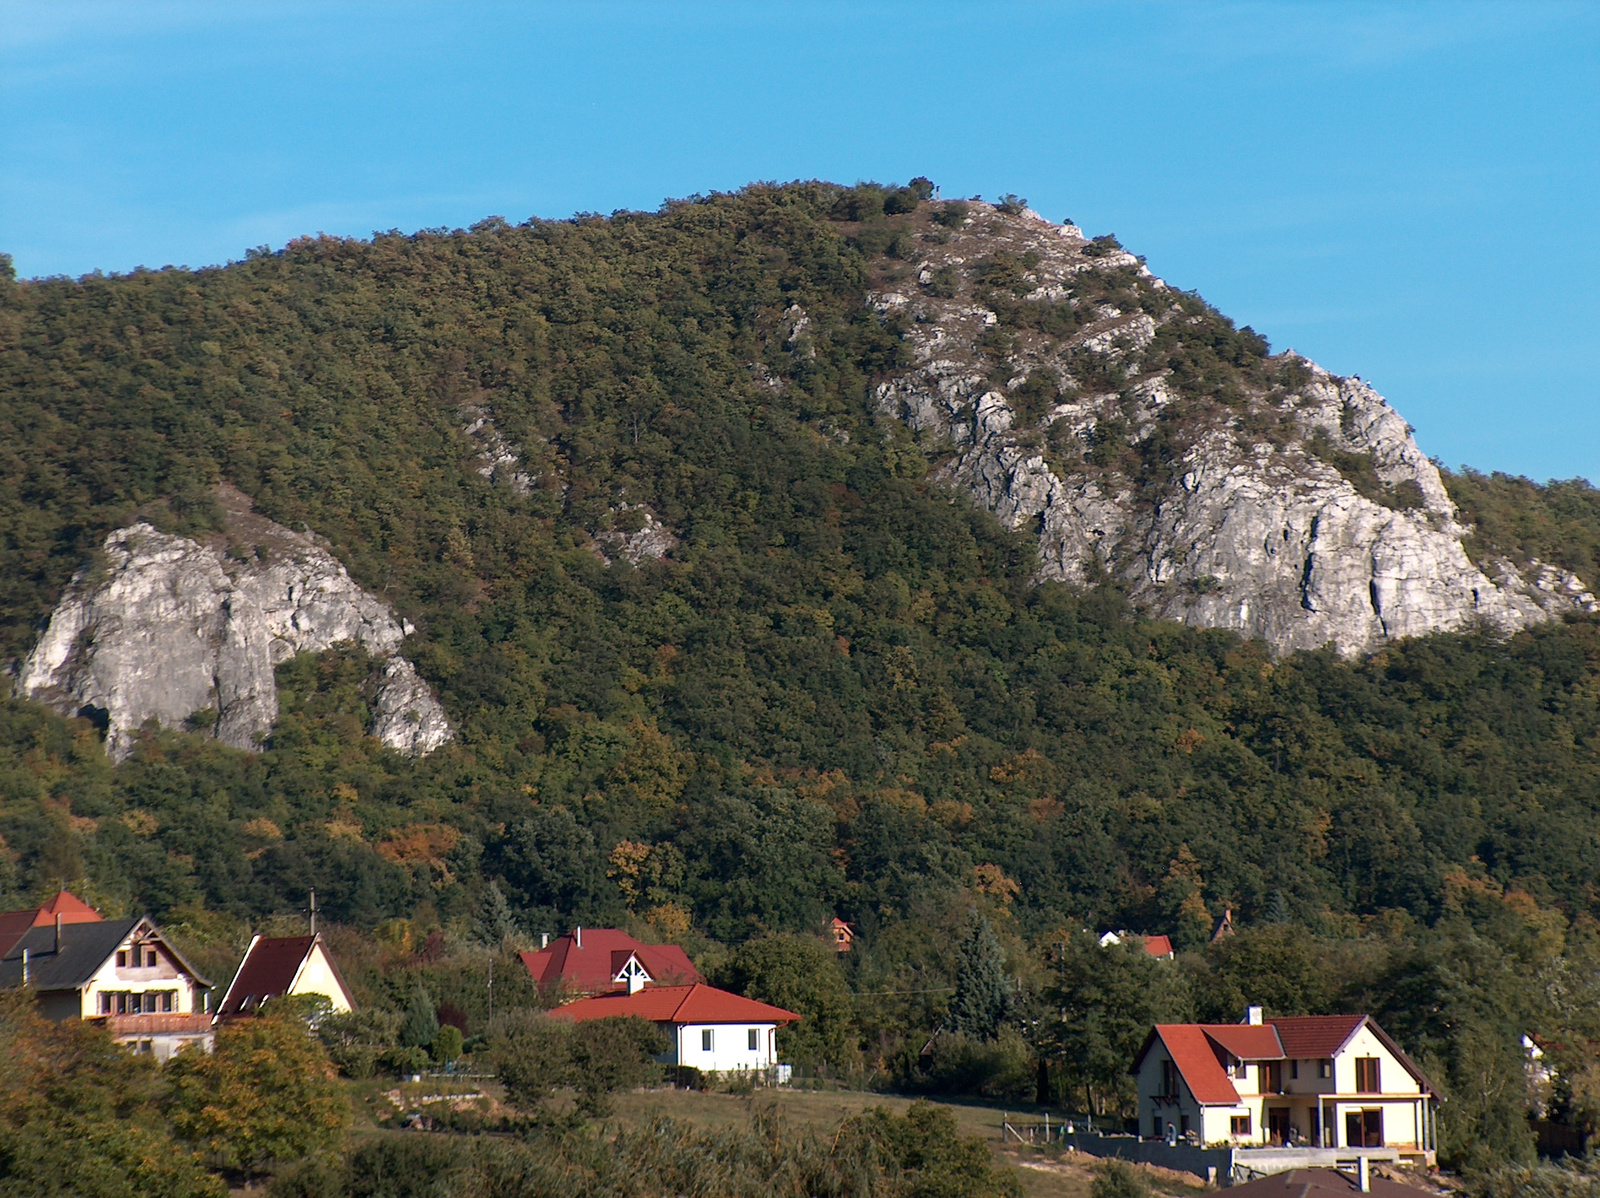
(1003, 1068)
(535, 1055)
(1011, 205)
(1118, 1179)
(952, 214)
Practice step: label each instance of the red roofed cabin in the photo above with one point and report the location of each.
(1320, 1082)
(65, 908)
(596, 960)
(277, 965)
(711, 1030)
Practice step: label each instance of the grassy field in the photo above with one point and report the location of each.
(1044, 1174)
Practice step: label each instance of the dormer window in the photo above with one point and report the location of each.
(150, 958)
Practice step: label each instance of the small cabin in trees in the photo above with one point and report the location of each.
(842, 933)
(121, 973)
(275, 966)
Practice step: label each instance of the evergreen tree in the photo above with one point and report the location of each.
(984, 993)
(422, 1021)
(496, 922)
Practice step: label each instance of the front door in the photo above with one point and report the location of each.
(1363, 1129)
(1278, 1125)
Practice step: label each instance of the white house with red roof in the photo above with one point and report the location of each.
(711, 1030)
(595, 960)
(1328, 1082)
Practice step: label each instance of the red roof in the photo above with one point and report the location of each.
(698, 1003)
(269, 968)
(1158, 946)
(1197, 1048)
(1196, 1059)
(1247, 1041)
(1308, 1037)
(15, 924)
(590, 969)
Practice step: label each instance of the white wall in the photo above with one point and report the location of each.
(164, 975)
(730, 1046)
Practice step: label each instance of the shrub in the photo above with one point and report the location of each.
(1118, 1179)
(952, 214)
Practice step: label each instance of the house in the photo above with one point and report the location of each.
(277, 965)
(65, 908)
(594, 960)
(711, 1030)
(843, 935)
(1159, 947)
(121, 973)
(1314, 1082)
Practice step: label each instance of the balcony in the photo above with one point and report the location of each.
(155, 1025)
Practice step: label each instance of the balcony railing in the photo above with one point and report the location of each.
(155, 1024)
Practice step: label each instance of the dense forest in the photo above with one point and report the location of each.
(841, 693)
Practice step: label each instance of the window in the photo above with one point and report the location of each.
(1363, 1129)
(1273, 1078)
(150, 958)
(1367, 1075)
(122, 958)
(1294, 1070)
(705, 1040)
(1169, 1079)
(1241, 1070)
(1325, 1068)
(1155, 1125)
(755, 1039)
(1239, 1125)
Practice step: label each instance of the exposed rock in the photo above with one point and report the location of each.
(164, 628)
(1249, 530)
(498, 459)
(650, 540)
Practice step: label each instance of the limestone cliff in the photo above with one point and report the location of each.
(164, 627)
(1296, 508)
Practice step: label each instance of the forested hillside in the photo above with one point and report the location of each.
(838, 693)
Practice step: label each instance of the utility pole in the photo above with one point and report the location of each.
(313, 912)
(491, 985)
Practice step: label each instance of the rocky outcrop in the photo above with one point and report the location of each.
(168, 629)
(636, 535)
(1300, 512)
(499, 460)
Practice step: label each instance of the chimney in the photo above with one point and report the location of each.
(544, 940)
(24, 967)
(635, 982)
(58, 933)
(1252, 1016)
(578, 937)
(1364, 1174)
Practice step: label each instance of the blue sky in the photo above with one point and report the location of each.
(1402, 191)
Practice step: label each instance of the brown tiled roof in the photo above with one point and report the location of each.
(1247, 1041)
(1308, 1037)
(269, 968)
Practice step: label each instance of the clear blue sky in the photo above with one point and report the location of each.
(1402, 191)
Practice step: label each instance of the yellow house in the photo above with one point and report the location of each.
(274, 966)
(121, 973)
(1313, 1082)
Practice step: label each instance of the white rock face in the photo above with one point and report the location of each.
(166, 627)
(1247, 530)
(651, 541)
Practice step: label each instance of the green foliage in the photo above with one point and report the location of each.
(874, 1155)
(799, 974)
(952, 214)
(1360, 472)
(535, 1055)
(1118, 1179)
(1003, 1067)
(81, 1117)
(1558, 523)
(447, 1043)
(266, 1094)
(1568, 1179)
(985, 993)
(421, 1022)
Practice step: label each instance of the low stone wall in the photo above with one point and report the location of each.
(1209, 1164)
